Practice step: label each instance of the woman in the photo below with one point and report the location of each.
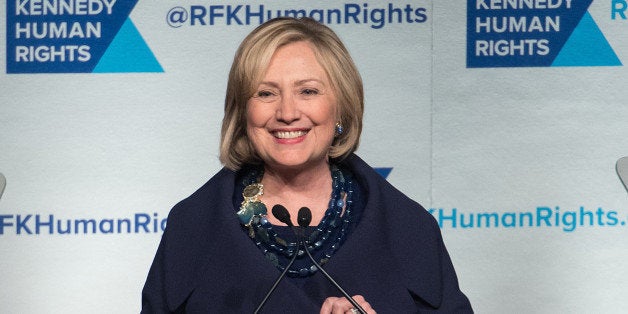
(293, 117)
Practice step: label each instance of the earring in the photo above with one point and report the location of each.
(339, 129)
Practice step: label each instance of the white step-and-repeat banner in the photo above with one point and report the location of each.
(504, 118)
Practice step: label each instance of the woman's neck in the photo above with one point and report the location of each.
(294, 189)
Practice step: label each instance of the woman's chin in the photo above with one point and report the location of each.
(295, 163)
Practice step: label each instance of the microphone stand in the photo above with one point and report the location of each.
(304, 218)
(282, 214)
(272, 289)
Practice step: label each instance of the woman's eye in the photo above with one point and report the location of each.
(309, 92)
(264, 93)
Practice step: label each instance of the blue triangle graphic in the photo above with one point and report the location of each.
(384, 172)
(587, 46)
(128, 52)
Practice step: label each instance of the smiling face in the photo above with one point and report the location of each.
(291, 116)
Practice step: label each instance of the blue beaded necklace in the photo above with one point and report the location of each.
(324, 241)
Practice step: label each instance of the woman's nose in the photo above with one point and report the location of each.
(288, 110)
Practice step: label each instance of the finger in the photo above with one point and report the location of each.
(328, 305)
(341, 306)
(364, 304)
(336, 305)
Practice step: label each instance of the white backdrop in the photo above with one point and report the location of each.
(492, 142)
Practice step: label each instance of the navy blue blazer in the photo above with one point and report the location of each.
(395, 258)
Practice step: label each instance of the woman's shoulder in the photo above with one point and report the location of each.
(215, 193)
(379, 190)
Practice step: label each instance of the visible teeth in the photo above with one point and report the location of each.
(290, 134)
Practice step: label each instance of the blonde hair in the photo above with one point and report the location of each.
(249, 66)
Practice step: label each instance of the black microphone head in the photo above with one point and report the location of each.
(281, 213)
(304, 217)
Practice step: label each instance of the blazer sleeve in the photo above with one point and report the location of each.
(416, 244)
(453, 300)
(431, 276)
(170, 276)
(153, 294)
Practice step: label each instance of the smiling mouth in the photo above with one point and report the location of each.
(289, 134)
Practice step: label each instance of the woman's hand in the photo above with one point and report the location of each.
(340, 305)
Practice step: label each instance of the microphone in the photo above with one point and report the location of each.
(304, 218)
(3, 183)
(622, 170)
(281, 213)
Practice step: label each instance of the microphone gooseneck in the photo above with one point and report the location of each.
(304, 218)
(282, 214)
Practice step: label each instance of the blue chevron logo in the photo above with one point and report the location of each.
(384, 172)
